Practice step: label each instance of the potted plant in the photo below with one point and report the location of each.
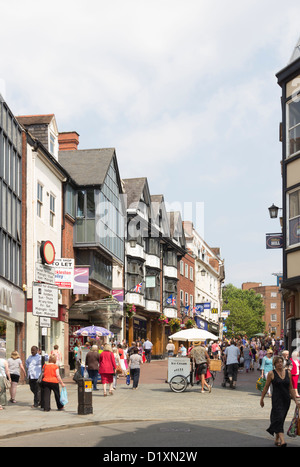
(175, 324)
(130, 310)
(163, 319)
(190, 323)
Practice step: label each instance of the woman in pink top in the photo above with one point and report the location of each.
(107, 368)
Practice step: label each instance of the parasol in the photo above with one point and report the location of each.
(193, 334)
(93, 331)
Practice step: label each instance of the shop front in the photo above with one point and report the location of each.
(12, 318)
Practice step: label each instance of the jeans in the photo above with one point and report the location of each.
(135, 376)
(93, 375)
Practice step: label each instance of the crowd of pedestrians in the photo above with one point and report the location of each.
(109, 362)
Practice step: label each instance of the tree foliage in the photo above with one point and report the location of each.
(246, 311)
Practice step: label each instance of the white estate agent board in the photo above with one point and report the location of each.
(64, 273)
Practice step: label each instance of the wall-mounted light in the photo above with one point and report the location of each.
(273, 211)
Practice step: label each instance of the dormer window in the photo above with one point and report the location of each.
(53, 145)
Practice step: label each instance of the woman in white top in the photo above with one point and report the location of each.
(15, 367)
(4, 372)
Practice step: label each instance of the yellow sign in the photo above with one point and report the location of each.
(88, 386)
(214, 310)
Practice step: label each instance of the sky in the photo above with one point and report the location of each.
(184, 90)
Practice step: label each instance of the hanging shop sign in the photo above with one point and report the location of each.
(274, 241)
(81, 281)
(64, 273)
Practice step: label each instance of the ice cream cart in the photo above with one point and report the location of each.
(180, 373)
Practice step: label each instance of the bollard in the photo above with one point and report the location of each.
(85, 396)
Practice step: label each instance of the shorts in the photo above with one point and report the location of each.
(14, 378)
(201, 369)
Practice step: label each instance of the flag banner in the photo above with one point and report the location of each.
(138, 287)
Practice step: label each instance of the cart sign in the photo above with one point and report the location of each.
(44, 300)
(64, 273)
(178, 366)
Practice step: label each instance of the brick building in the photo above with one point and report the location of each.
(272, 301)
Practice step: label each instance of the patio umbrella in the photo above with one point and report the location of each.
(193, 334)
(93, 331)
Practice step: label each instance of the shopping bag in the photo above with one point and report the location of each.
(128, 379)
(63, 396)
(293, 428)
(260, 384)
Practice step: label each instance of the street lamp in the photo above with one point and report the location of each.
(273, 211)
(182, 311)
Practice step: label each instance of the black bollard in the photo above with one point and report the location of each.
(85, 397)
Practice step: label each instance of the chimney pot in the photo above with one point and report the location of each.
(68, 141)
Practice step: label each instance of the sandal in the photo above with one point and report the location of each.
(111, 393)
(105, 394)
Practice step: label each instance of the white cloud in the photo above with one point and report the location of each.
(185, 91)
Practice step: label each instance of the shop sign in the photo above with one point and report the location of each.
(118, 294)
(274, 241)
(44, 300)
(81, 281)
(64, 273)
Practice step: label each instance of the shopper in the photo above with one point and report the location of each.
(58, 355)
(118, 367)
(135, 362)
(50, 382)
(281, 381)
(295, 371)
(170, 348)
(34, 368)
(15, 367)
(148, 349)
(107, 368)
(267, 366)
(4, 374)
(232, 354)
(201, 358)
(92, 365)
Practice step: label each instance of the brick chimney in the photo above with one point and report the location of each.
(68, 141)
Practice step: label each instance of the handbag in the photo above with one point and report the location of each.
(40, 378)
(293, 430)
(260, 384)
(77, 376)
(7, 383)
(63, 396)
(119, 370)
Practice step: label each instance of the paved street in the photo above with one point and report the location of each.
(152, 416)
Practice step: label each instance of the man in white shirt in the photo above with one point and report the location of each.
(232, 354)
(148, 348)
(34, 368)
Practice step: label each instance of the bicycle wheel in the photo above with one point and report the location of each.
(178, 383)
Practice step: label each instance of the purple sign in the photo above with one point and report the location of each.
(81, 281)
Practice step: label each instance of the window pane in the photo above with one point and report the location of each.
(80, 204)
(90, 204)
(294, 113)
(295, 204)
